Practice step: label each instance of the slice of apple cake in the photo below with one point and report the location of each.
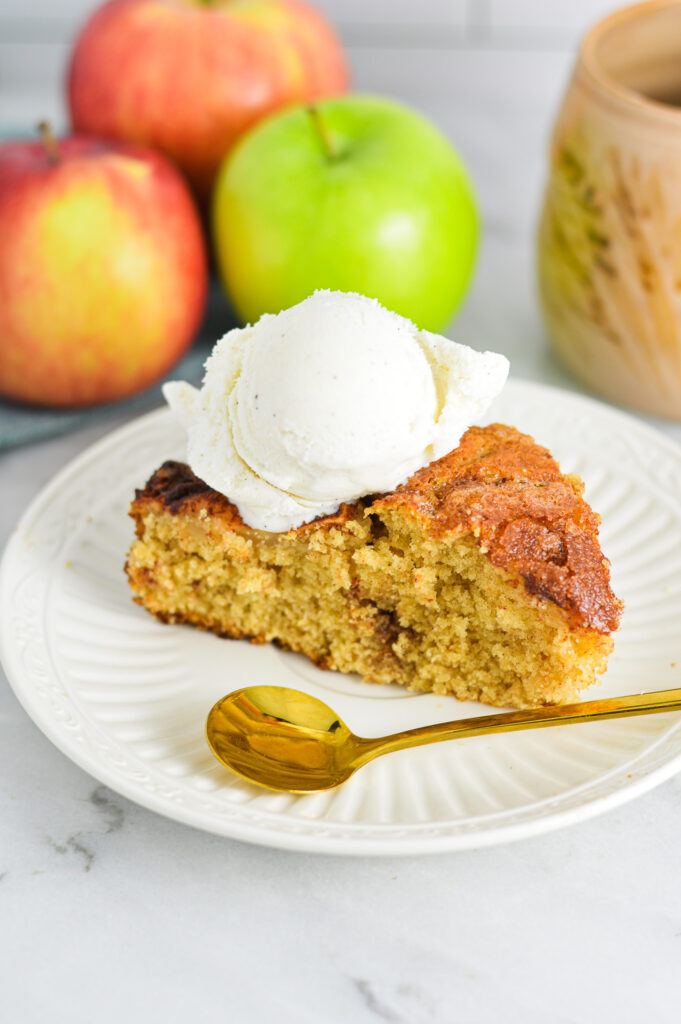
(480, 577)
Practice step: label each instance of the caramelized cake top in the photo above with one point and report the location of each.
(527, 517)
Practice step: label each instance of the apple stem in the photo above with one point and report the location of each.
(49, 142)
(322, 132)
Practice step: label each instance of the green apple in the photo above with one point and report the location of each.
(356, 194)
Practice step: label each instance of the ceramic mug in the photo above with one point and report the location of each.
(609, 246)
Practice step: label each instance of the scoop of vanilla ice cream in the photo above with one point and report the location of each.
(325, 402)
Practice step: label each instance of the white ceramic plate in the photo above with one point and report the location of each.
(126, 698)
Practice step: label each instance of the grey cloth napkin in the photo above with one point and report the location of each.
(20, 424)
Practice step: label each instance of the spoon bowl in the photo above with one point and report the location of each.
(280, 738)
(289, 741)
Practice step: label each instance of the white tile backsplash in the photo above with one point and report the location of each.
(40, 11)
(552, 15)
(43, 16)
(451, 13)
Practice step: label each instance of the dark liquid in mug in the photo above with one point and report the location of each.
(671, 97)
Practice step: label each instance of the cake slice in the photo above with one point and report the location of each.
(480, 577)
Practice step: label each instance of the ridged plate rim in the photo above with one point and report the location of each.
(657, 763)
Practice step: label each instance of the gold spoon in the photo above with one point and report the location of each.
(286, 740)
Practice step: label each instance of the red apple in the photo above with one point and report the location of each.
(103, 270)
(190, 77)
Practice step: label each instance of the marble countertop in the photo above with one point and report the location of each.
(111, 913)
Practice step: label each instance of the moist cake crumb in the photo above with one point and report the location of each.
(481, 577)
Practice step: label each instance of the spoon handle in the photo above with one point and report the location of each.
(536, 718)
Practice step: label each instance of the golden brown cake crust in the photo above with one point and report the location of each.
(527, 517)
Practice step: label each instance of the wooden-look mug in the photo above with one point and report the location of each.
(609, 245)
